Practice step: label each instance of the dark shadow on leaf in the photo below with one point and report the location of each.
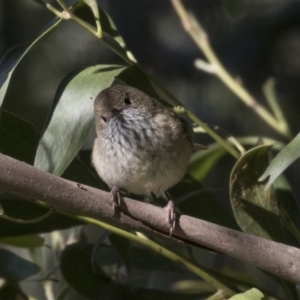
(108, 68)
(264, 218)
(77, 269)
(17, 137)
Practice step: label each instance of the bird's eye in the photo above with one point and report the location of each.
(127, 99)
(104, 119)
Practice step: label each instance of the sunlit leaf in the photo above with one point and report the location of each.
(253, 294)
(282, 160)
(72, 118)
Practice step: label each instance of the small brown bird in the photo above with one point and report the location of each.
(141, 146)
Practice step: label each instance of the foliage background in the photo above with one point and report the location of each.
(255, 40)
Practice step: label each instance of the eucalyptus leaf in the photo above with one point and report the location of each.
(23, 241)
(13, 57)
(288, 208)
(122, 246)
(282, 160)
(253, 294)
(202, 162)
(255, 208)
(14, 267)
(72, 116)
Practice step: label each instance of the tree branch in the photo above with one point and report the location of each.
(29, 182)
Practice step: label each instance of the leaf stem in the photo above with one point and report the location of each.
(69, 12)
(214, 135)
(270, 95)
(155, 247)
(30, 221)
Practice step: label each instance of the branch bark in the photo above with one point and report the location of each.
(29, 182)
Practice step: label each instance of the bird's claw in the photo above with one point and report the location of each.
(115, 197)
(171, 216)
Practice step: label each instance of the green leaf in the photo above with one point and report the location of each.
(16, 54)
(253, 294)
(72, 118)
(14, 267)
(13, 57)
(282, 160)
(24, 241)
(289, 211)
(254, 207)
(202, 162)
(17, 137)
(94, 7)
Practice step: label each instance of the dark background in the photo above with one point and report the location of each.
(255, 40)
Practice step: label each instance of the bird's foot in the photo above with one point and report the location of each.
(115, 197)
(171, 216)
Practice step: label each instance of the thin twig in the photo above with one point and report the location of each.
(69, 12)
(198, 34)
(270, 95)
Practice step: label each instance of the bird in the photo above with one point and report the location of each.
(141, 147)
